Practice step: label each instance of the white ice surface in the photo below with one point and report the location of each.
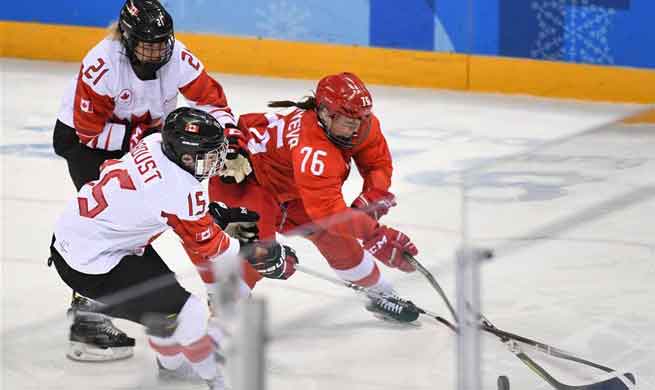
(590, 290)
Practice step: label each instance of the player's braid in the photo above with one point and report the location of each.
(308, 104)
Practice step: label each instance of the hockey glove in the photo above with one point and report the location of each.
(375, 202)
(237, 166)
(389, 246)
(271, 260)
(238, 222)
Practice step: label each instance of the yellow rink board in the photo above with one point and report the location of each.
(644, 117)
(411, 68)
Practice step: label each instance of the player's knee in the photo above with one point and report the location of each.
(340, 252)
(185, 327)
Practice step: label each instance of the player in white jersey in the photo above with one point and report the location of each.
(125, 87)
(101, 243)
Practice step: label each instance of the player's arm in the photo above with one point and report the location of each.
(256, 120)
(237, 165)
(93, 105)
(268, 259)
(320, 190)
(328, 209)
(373, 160)
(206, 243)
(200, 89)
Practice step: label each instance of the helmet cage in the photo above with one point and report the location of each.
(210, 163)
(196, 160)
(343, 141)
(153, 52)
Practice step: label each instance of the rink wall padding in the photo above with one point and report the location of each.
(561, 79)
(645, 117)
(410, 68)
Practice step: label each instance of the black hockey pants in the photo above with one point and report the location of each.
(136, 286)
(83, 162)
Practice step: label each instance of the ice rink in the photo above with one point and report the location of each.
(573, 222)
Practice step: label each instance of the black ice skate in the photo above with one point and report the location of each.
(391, 307)
(93, 337)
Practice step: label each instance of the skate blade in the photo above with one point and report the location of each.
(173, 377)
(82, 352)
(183, 373)
(395, 322)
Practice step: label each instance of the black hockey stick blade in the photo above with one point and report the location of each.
(487, 326)
(611, 384)
(614, 383)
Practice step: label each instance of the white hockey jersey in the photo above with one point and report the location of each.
(106, 93)
(136, 199)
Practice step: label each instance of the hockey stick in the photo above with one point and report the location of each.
(511, 339)
(431, 279)
(614, 383)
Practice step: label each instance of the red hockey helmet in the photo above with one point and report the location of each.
(346, 95)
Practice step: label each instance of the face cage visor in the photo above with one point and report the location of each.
(342, 124)
(207, 164)
(156, 53)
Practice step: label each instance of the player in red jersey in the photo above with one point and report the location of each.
(290, 168)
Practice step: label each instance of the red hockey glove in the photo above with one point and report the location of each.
(375, 202)
(237, 166)
(389, 246)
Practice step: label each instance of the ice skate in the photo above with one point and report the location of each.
(218, 382)
(392, 308)
(92, 335)
(184, 373)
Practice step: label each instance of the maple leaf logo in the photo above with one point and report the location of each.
(192, 128)
(125, 96)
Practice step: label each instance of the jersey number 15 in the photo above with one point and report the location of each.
(124, 182)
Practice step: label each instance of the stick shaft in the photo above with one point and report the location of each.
(486, 326)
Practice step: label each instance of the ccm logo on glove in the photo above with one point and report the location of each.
(390, 246)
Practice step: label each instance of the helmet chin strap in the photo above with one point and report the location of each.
(340, 141)
(321, 120)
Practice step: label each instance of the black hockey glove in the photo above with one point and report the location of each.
(136, 132)
(238, 222)
(271, 260)
(237, 165)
